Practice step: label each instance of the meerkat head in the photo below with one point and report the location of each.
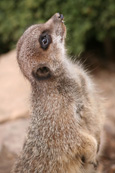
(41, 48)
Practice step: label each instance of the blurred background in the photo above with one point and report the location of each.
(90, 39)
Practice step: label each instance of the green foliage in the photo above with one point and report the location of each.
(84, 20)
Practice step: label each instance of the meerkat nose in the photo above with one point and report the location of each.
(61, 16)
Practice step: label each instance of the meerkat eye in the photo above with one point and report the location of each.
(45, 40)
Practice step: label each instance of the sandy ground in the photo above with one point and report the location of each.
(14, 96)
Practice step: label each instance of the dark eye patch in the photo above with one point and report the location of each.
(45, 40)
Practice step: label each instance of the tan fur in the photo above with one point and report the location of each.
(66, 116)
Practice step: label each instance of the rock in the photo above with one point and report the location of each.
(14, 89)
(12, 135)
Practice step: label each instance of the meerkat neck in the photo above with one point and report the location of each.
(49, 110)
(45, 101)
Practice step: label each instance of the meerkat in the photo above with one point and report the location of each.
(66, 117)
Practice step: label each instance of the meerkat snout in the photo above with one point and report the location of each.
(61, 16)
(45, 39)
